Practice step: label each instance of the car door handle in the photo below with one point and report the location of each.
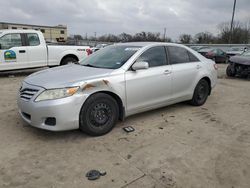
(167, 72)
(22, 51)
(198, 66)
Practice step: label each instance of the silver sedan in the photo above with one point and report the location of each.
(114, 83)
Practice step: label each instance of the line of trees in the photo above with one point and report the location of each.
(240, 35)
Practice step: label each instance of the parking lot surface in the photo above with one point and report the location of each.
(176, 146)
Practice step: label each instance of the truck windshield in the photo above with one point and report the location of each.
(111, 57)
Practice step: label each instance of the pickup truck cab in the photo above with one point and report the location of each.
(21, 49)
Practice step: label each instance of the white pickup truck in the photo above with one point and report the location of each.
(21, 49)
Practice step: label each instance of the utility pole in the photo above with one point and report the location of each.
(232, 22)
(164, 34)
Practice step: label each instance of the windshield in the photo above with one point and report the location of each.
(111, 57)
(247, 53)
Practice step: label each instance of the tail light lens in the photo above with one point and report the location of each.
(216, 66)
(209, 54)
(89, 51)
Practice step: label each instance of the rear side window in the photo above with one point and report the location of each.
(10, 40)
(178, 55)
(155, 56)
(192, 57)
(33, 39)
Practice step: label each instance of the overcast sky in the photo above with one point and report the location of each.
(131, 16)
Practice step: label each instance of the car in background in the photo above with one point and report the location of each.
(22, 49)
(216, 54)
(197, 48)
(236, 51)
(113, 83)
(98, 47)
(239, 65)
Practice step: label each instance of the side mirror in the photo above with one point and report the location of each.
(140, 65)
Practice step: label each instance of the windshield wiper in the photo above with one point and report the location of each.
(89, 65)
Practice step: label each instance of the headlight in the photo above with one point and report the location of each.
(56, 93)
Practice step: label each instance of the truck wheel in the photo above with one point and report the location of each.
(98, 115)
(201, 93)
(229, 71)
(68, 60)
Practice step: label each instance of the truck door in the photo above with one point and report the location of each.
(37, 51)
(12, 52)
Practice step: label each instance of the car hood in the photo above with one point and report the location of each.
(240, 60)
(65, 76)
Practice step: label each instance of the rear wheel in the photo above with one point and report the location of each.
(201, 93)
(99, 114)
(68, 60)
(230, 71)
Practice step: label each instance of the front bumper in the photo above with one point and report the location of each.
(65, 111)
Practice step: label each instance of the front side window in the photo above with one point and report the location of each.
(111, 57)
(155, 56)
(178, 55)
(10, 40)
(33, 39)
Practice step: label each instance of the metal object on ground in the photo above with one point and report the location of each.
(128, 129)
(95, 174)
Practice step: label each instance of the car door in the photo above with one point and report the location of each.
(37, 52)
(150, 87)
(12, 52)
(185, 70)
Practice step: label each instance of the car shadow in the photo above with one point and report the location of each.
(77, 135)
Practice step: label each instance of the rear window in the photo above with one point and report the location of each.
(111, 57)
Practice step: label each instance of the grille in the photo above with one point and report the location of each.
(27, 93)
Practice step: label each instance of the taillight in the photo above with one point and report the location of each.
(209, 54)
(216, 66)
(89, 51)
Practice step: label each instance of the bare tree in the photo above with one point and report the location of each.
(185, 38)
(240, 33)
(204, 38)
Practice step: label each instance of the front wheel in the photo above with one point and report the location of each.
(201, 93)
(99, 114)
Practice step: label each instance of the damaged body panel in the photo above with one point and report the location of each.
(239, 65)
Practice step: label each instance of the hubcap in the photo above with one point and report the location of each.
(202, 91)
(100, 114)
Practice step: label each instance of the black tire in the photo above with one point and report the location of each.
(229, 71)
(98, 115)
(201, 93)
(68, 60)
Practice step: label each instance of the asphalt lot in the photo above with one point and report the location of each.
(177, 146)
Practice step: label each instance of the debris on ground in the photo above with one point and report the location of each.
(129, 156)
(95, 174)
(128, 129)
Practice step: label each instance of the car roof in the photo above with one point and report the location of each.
(144, 44)
(18, 31)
